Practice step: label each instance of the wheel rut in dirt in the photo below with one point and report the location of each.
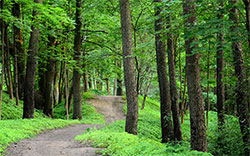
(60, 142)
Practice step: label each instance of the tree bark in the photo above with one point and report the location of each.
(77, 109)
(128, 64)
(197, 118)
(18, 45)
(165, 101)
(15, 71)
(220, 91)
(208, 85)
(114, 88)
(8, 64)
(29, 91)
(50, 75)
(173, 87)
(241, 90)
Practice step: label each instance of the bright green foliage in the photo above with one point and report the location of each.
(15, 130)
(11, 111)
(147, 142)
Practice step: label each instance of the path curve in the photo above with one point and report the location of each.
(60, 142)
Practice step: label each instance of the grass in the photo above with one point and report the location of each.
(147, 142)
(13, 128)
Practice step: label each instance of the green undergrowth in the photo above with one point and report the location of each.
(147, 142)
(89, 113)
(11, 111)
(16, 130)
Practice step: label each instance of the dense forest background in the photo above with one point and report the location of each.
(191, 55)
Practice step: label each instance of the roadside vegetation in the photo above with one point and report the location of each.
(119, 143)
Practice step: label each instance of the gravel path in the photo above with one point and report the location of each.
(60, 142)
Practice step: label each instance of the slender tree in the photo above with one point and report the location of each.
(18, 45)
(197, 118)
(29, 91)
(165, 101)
(77, 109)
(241, 90)
(128, 64)
(173, 87)
(219, 70)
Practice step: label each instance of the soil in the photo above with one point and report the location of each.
(60, 142)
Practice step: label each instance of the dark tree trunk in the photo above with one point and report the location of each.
(70, 98)
(173, 87)
(18, 45)
(61, 83)
(50, 75)
(15, 71)
(220, 67)
(66, 81)
(197, 118)
(29, 91)
(208, 85)
(128, 64)
(119, 91)
(108, 86)
(241, 90)
(8, 65)
(90, 81)
(247, 8)
(166, 121)
(85, 81)
(3, 63)
(77, 109)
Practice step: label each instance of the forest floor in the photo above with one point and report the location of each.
(60, 142)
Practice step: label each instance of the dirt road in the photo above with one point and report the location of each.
(60, 142)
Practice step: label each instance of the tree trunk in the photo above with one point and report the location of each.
(77, 110)
(119, 91)
(145, 96)
(2, 48)
(241, 90)
(173, 87)
(220, 67)
(61, 83)
(8, 65)
(85, 80)
(208, 85)
(197, 118)
(29, 91)
(108, 86)
(15, 70)
(66, 81)
(165, 101)
(128, 64)
(114, 88)
(18, 45)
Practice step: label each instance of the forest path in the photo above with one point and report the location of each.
(60, 142)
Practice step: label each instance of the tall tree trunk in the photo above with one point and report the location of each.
(66, 81)
(128, 64)
(108, 86)
(16, 12)
(90, 81)
(220, 67)
(15, 71)
(197, 118)
(220, 89)
(61, 83)
(77, 109)
(8, 64)
(29, 91)
(85, 80)
(208, 85)
(50, 75)
(241, 90)
(3, 63)
(166, 122)
(173, 87)
(247, 9)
